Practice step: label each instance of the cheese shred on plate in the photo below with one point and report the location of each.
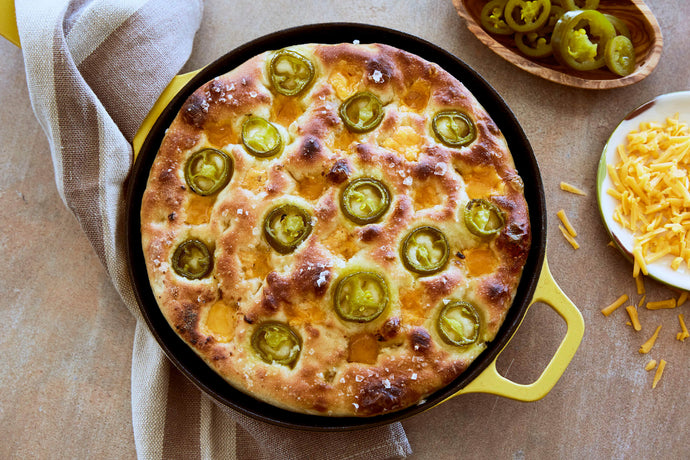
(652, 186)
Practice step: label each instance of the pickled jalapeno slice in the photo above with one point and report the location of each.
(276, 343)
(286, 226)
(620, 55)
(579, 39)
(580, 4)
(365, 200)
(458, 323)
(483, 218)
(362, 112)
(453, 128)
(261, 138)
(207, 171)
(290, 72)
(192, 260)
(425, 250)
(535, 44)
(492, 18)
(526, 16)
(361, 297)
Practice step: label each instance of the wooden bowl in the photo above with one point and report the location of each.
(644, 29)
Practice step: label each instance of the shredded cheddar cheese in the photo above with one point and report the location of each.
(659, 304)
(611, 308)
(639, 304)
(634, 319)
(659, 372)
(683, 334)
(639, 282)
(566, 223)
(650, 365)
(568, 237)
(652, 185)
(572, 189)
(647, 346)
(682, 298)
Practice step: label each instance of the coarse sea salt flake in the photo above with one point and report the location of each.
(359, 378)
(377, 76)
(407, 181)
(440, 169)
(355, 42)
(387, 383)
(413, 376)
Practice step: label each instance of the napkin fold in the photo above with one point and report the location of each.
(94, 69)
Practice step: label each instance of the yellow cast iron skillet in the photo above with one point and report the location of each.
(537, 283)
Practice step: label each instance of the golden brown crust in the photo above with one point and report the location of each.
(344, 368)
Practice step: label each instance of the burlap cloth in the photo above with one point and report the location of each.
(94, 69)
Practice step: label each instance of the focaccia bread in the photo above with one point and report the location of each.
(335, 229)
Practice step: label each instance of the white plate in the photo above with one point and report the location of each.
(658, 109)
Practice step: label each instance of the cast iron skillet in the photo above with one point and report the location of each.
(208, 381)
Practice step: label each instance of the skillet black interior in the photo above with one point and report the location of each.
(190, 364)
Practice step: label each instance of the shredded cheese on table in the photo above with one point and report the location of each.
(566, 223)
(682, 298)
(683, 334)
(568, 237)
(572, 189)
(658, 373)
(652, 184)
(634, 319)
(639, 282)
(650, 365)
(647, 346)
(611, 308)
(659, 304)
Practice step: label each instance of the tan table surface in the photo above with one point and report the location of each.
(66, 340)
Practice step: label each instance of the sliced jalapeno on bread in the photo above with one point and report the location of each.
(192, 259)
(361, 297)
(276, 343)
(286, 226)
(425, 250)
(361, 112)
(261, 138)
(365, 200)
(207, 171)
(453, 128)
(483, 218)
(290, 72)
(458, 323)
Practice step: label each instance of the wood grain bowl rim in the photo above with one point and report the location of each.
(649, 62)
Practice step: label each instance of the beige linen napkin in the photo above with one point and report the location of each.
(94, 68)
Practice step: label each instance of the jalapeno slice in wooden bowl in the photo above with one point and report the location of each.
(361, 297)
(365, 200)
(208, 170)
(276, 343)
(361, 112)
(261, 138)
(620, 55)
(579, 39)
(526, 16)
(286, 226)
(483, 218)
(458, 323)
(290, 72)
(192, 259)
(453, 128)
(492, 18)
(425, 250)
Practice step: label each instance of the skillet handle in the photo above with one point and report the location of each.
(490, 381)
(175, 85)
